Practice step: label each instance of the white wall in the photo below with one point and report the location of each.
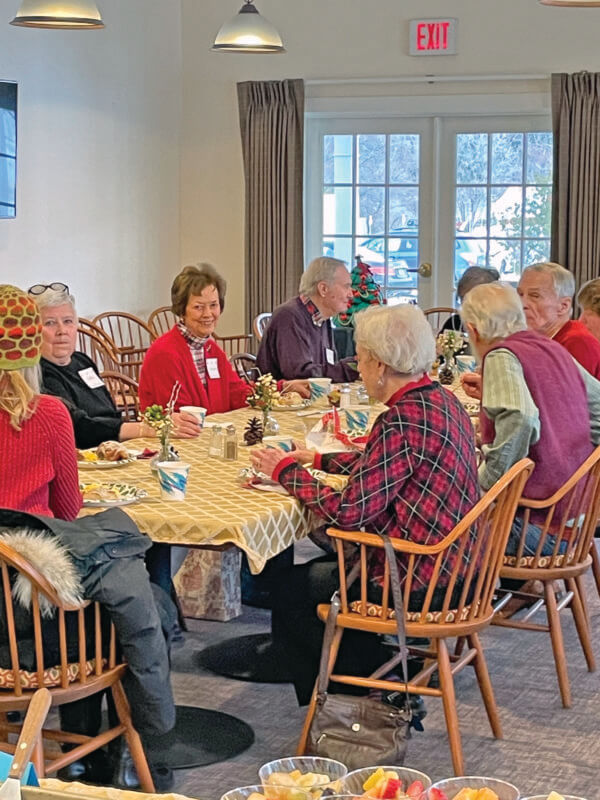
(98, 155)
(337, 39)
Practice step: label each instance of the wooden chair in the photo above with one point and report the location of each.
(233, 345)
(95, 669)
(260, 324)
(132, 337)
(124, 392)
(569, 529)
(438, 316)
(161, 320)
(96, 344)
(464, 611)
(245, 366)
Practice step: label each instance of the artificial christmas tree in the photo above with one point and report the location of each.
(365, 293)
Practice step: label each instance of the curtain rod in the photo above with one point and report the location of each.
(428, 79)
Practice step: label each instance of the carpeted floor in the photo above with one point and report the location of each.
(544, 745)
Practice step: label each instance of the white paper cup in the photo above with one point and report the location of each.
(195, 411)
(466, 364)
(319, 387)
(357, 419)
(283, 442)
(173, 478)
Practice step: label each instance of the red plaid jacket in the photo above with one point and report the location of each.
(415, 480)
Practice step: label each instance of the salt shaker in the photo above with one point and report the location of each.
(231, 445)
(216, 444)
(345, 395)
(362, 395)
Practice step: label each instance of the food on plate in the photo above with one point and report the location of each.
(99, 492)
(112, 451)
(87, 455)
(288, 399)
(333, 398)
(464, 794)
(386, 785)
(276, 786)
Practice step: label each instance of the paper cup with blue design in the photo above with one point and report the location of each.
(283, 442)
(466, 364)
(357, 419)
(319, 387)
(173, 478)
(196, 411)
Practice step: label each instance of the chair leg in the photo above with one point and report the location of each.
(449, 700)
(558, 645)
(583, 597)
(582, 624)
(133, 739)
(312, 706)
(485, 685)
(459, 646)
(595, 564)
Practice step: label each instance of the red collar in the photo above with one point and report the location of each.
(424, 381)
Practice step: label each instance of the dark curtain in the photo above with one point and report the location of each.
(272, 129)
(576, 195)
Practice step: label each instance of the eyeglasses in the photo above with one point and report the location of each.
(40, 288)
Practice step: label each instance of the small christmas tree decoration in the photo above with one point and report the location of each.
(365, 292)
(253, 432)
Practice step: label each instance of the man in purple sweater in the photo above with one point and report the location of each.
(299, 340)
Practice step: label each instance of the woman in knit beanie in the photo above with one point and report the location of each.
(37, 446)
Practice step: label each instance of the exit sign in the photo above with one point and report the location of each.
(433, 37)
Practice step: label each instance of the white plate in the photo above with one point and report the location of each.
(130, 494)
(102, 463)
(296, 407)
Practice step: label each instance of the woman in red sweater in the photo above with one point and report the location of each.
(188, 353)
(37, 445)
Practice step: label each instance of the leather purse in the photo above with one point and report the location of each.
(359, 731)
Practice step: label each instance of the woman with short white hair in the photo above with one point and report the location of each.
(416, 478)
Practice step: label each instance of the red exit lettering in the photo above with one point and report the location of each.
(432, 35)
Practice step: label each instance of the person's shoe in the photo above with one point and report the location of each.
(125, 775)
(93, 768)
(417, 706)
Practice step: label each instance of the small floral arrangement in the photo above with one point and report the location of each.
(450, 342)
(161, 420)
(265, 393)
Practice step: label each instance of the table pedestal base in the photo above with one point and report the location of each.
(251, 658)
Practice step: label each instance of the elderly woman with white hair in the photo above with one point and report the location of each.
(416, 478)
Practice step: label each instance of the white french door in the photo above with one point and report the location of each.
(420, 199)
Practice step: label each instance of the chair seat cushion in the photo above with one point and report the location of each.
(374, 610)
(539, 563)
(52, 676)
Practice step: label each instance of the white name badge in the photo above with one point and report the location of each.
(212, 367)
(91, 378)
(329, 355)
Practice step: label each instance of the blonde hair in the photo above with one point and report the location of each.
(19, 391)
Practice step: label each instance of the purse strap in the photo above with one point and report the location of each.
(334, 610)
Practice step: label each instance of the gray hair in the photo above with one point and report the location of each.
(588, 296)
(52, 298)
(399, 336)
(562, 280)
(495, 310)
(319, 269)
(474, 276)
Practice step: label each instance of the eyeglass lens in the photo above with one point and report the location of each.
(40, 288)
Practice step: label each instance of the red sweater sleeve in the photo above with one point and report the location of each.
(64, 495)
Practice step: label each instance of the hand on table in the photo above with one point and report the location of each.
(302, 387)
(185, 426)
(301, 454)
(266, 459)
(471, 383)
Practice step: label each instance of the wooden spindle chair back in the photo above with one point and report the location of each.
(246, 367)
(438, 316)
(567, 523)
(96, 344)
(95, 668)
(233, 345)
(132, 337)
(124, 392)
(260, 324)
(161, 320)
(459, 608)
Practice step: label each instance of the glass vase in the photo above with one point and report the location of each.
(270, 424)
(447, 372)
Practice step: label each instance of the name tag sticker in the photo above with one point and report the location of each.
(212, 367)
(91, 378)
(329, 355)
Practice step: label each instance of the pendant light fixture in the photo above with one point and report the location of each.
(248, 32)
(572, 3)
(73, 14)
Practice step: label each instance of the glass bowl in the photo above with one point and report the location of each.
(334, 770)
(545, 797)
(452, 786)
(244, 792)
(354, 781)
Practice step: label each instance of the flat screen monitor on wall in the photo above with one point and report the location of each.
(8, 149)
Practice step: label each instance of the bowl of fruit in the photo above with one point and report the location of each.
(554, 796)
(473, 788)
(387, 783)
(260, 792)
(303, 772)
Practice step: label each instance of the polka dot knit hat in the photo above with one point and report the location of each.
(20, 329)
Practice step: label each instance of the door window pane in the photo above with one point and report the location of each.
(506, 210)
(471, 209)
(404, 209)
(337, 159)
(371, 159)
(471, 158)
(404, 158)
(507, 157)
(338, 247)
(337, 209)
(370, 210)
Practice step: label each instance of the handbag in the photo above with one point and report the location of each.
(360, 731)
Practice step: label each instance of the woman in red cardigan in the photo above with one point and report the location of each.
(189, 354)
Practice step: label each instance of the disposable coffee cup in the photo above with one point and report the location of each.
(173, 478)
(319, 387)
(466, 364)
(195, 411)
(283, 442)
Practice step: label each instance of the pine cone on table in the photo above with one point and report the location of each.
(253, 432)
